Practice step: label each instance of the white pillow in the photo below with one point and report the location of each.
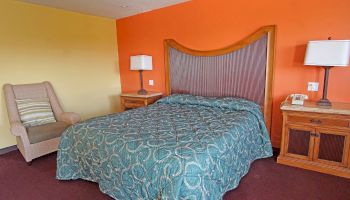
(35, 112)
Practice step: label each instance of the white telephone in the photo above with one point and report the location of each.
(298, 99)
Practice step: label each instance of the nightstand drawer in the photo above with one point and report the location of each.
(133, 105)
(318, 121)
(133, 101)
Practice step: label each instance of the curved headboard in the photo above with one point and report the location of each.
(243, 69)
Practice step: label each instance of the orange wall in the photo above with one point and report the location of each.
(209, 24)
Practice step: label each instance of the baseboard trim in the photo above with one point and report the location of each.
(8, 149)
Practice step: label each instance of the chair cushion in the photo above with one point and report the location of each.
(34, 112)
(46, 132)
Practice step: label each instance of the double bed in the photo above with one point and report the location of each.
(195, 143)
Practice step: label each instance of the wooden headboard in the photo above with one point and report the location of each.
(243, 69)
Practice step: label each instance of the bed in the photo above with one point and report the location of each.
(195, 143)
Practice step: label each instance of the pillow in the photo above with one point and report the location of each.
(35, 112)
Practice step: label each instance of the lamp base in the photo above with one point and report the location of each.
(324, 103)
(142, 91)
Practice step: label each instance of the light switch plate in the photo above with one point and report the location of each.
(312, 86)
(151, 82)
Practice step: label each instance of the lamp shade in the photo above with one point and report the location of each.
(141, 62)
(328, 53)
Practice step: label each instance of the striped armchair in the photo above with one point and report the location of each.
(36, 141)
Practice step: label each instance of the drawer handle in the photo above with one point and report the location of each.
(315, 121)
(315, 134)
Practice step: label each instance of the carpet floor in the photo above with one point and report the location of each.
(266, 180)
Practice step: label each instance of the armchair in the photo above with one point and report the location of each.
(36, 141)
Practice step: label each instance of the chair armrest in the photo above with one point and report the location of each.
(69, 117)
(18, 129)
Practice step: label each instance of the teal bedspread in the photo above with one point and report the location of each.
(182, 147)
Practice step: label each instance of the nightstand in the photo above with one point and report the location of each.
(134, 100)
(316, 138)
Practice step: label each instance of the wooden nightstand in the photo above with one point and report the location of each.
(134, 100)
(316, 138)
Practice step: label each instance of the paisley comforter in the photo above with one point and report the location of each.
(182, 147)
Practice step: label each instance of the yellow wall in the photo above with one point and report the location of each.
(77, 53)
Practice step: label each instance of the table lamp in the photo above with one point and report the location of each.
(327, 53)
(141, 62)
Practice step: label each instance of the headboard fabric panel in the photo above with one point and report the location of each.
(239, 73)
(243, 69)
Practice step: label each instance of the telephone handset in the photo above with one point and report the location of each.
(298, 99)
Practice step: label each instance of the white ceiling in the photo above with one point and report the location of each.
(115, 9)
